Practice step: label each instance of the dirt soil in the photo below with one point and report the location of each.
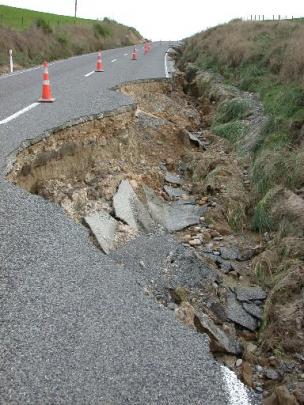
(80, 169)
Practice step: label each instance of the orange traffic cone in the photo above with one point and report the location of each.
(134, 54)
(46, 96)
(99, 65)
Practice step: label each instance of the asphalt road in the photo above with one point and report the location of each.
(77, 327)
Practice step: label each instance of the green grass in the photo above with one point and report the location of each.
(230, 110)
(264, 58)
(21, 19)
(233, 131)
(35, 37)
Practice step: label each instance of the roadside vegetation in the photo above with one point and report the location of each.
(266, 58)
(36, 36)
(225, 65)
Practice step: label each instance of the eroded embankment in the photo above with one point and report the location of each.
(158, 169)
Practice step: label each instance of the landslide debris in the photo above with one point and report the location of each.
(159, 190)
(273, 179)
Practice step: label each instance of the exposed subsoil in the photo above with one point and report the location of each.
(165, 144)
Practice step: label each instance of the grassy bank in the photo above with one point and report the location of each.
(36, 36)
(223, 67)
(266, 58)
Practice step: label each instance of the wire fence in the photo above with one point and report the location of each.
(274, 17)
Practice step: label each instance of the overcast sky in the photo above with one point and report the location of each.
(166, 19)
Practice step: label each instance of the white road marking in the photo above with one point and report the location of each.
(24, 110)
(114, 60)
(126, 54)
(89, 74)
(19, 72)
(166, 65)
(236, 390)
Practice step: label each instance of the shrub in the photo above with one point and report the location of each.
(44, 25)
(101, 30)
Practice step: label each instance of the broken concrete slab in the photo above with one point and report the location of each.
(174, 192)
(250, 293)
(253, 310)
(130, 209)
(103, 227)
(172, 217)
(173, 178)
(219, 341)
(237, 314)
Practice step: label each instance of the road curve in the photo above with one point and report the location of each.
(76, 327)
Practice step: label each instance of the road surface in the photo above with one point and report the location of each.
(76, 327)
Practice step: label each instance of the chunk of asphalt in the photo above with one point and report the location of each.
(219, 341)
(229, 253)
(172, 217)
(250, 293)
(174, 192)
(253, 310)
(103, 227)
(168, 264)
(130, 209)
(173, 178)
(237, 314)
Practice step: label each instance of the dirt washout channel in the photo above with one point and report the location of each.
(155, 170)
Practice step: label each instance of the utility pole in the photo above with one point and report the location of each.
(75, 8)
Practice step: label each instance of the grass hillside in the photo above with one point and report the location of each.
(36, 36)
(248, 78)
(266, 58)
(22, 19)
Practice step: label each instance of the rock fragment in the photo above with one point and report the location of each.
(174, 216)
(250, 293)
(103, 227)
(174, 192)
(173, 178)
(253, 310)
(236, 313)
(130, 209)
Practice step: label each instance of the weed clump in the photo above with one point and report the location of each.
(231, 110)
(44, 25)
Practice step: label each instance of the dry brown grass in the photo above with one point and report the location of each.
(34, 45)
(278, 45)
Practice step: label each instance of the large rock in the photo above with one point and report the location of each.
(236, 313)
(130, 209)
(103, 227)
(174, 216)
(250, 293)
